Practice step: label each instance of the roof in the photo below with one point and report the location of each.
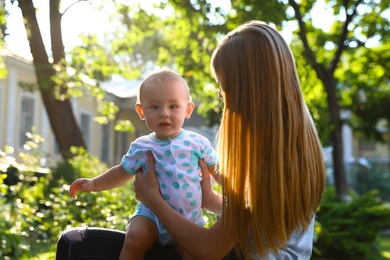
(122, 88)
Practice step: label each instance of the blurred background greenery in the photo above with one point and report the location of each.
(342, 52)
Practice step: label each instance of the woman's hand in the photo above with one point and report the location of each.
(146, 185)
(200, 242)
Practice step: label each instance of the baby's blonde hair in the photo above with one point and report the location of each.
(268, 147)
(161, 76)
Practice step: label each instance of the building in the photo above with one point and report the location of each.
(21, 108)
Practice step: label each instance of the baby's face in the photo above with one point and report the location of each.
(165, 106)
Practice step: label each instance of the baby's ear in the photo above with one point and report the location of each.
(140, 111)
(190, 109)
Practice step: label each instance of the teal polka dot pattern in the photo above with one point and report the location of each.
(177, 170)
(162, 164)
(176, 185)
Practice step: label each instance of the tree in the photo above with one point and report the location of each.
(3, 71)
(191, 32)
(336, 66)
(350, 33)
(59, 110)
(184, 37)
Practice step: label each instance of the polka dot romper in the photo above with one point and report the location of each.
(177, 168)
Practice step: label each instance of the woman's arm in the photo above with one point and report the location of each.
(200, 242)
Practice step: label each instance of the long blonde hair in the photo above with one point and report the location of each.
(270, 154)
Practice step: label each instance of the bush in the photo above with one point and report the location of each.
(349, 230)
(376, 177)
(37, 207)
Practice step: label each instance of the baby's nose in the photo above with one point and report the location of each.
(164, 112)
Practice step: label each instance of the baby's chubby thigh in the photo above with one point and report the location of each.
(161, 233)
(141, 235)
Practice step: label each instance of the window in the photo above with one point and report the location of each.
(26, 119)
(105, 151)
(85, 128)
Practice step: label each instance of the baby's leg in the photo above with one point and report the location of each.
(141, 235)
(183, 254)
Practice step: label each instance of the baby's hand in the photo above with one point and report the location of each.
(84, 185)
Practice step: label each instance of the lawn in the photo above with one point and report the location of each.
(385, 246)
(384, 242)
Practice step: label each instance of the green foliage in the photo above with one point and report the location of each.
(108, 111)
(3, 15)
(315, 97)
(124, 126)
(12, 242)
(366, 91)
(349, 230)
(376, 177)
(31, 160)
(37, 206)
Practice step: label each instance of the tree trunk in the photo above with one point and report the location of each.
(60, 112)
(326, 75)
(339, 174)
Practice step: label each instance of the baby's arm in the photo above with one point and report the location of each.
(214, 173)
(112, 178)
(211, 200)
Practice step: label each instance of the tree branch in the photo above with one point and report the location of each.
(73, 5)
(341, 46)
(303, 35)
(57, 46)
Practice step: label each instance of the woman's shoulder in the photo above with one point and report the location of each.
(299, 246)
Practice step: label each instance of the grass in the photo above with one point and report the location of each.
(45, 256)
(384, 242)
